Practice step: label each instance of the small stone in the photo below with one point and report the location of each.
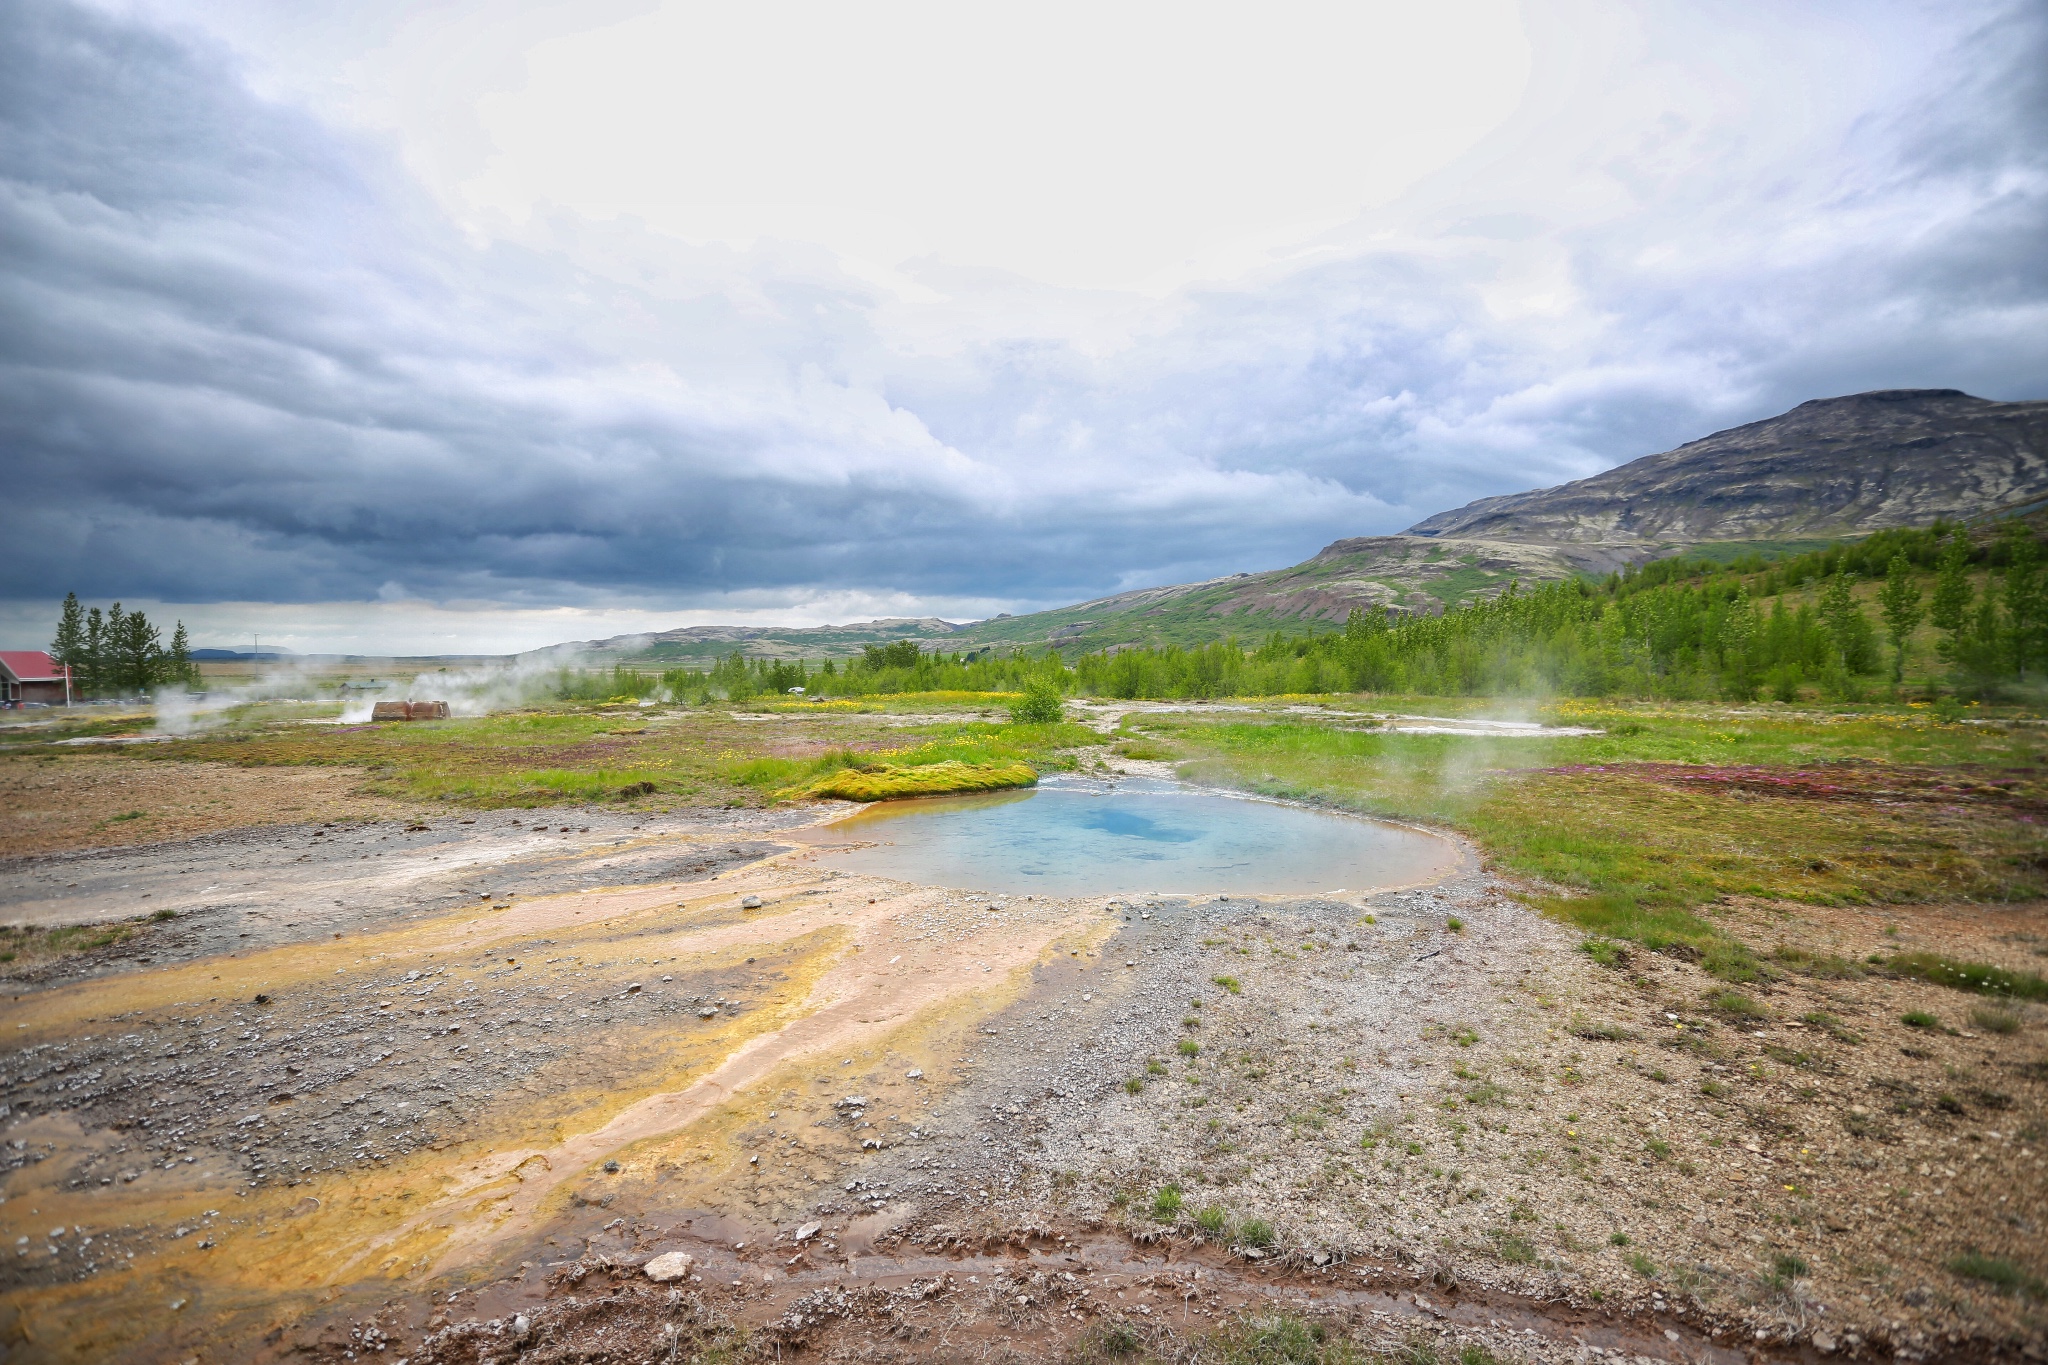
(1824, 1343)
(750, 903)
(669, 1266)
(914, 1074)
(611, 1168)
(521, 1326)
(806, 1232)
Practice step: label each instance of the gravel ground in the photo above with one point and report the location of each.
(1420, 1112)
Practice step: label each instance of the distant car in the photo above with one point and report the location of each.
(796, 691)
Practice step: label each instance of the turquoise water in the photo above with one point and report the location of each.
(1068, 837)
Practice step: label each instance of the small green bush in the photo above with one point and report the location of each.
(1135, 1085)
(1229, 983)
(1166, 1204)
(1190, 1048)
(1040, 705)
(1211, 1220)
(1919, 1019)
(1255, 1232)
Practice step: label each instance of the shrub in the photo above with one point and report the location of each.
(1455, 925)
(1040, 705)
(1211, 1220)
(1166, 1204)
(1255, 1232)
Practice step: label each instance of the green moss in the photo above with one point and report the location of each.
(932, 779)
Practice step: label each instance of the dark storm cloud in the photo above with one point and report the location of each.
(242, 357)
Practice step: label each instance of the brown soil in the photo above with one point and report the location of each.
(51, 804)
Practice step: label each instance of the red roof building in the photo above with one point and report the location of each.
(31, 675)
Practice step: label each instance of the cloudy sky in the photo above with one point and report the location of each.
(470, 326)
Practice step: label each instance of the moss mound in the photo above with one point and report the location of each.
(928, 779)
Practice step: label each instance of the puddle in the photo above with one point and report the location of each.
(1069, 837)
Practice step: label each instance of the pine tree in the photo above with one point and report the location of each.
(67, 651)
(179, 670)
(2026, 611)
(1950, 608)
(1900, 601)
(139, 653)
(1848, 625)
(93, 676)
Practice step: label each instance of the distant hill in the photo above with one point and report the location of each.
(700, 644)
(1828, 469)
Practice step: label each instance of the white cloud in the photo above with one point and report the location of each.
(791, 307)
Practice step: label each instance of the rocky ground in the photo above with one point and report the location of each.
(897, 1122)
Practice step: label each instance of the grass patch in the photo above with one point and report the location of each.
(1229, 983)
(1680, 806)
(1212, 1220)
(26, 946)
(1166, 1204)
(1919, 1019)
(2001, 1274)
(1279, 1339)
(1980, 977)
(1255, 1232)
(1992, 1019)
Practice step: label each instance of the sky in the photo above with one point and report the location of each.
(413, 327)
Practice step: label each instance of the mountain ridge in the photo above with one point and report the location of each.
(1828, 469)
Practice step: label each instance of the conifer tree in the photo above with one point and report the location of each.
(1950, 608)
(67, 651)
(2026, 611)
(1900, 601)
(179, 669)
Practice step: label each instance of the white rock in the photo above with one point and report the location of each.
(750, 903)
(670, 1265)
(807, 1232)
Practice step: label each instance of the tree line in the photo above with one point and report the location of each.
(119, 653)
(1683, 628)
(1676, 629)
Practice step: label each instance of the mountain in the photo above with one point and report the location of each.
(1828, 469)
(700, 644)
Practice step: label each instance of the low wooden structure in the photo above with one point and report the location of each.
(409, 710)
(30, 675)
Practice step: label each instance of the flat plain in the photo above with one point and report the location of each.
(1723, 1041)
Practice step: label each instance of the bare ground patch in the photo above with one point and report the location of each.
(60, 803)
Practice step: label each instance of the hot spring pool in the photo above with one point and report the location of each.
(1071, 837)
